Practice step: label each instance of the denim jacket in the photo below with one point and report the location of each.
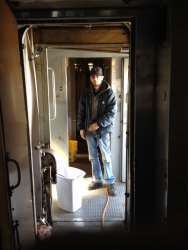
(105, 112)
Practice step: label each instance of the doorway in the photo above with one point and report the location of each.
(79, 69)
(57, 72)
(74, 81)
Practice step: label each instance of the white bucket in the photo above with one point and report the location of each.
(70, 188)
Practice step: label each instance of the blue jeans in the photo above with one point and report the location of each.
(103, 142)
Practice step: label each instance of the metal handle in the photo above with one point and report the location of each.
(18, 172)
(53, 94)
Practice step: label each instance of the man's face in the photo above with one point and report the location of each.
(96, 80)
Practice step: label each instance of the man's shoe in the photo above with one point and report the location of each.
(95, 185)
(111, 190)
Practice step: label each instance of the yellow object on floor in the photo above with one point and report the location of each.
(73, 149)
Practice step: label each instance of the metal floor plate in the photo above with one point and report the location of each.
(93, 203)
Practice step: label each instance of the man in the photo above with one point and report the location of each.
(95, 119)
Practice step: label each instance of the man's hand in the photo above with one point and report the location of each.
(93, 127)
(82, 134)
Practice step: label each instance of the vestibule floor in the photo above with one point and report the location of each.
(91, 215)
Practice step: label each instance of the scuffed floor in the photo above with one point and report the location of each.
(98, 211)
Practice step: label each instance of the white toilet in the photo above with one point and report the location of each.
(69, 184)
(70, 188)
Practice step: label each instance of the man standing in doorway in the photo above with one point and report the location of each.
(96, 112)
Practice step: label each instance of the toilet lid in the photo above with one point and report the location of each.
(70, 173)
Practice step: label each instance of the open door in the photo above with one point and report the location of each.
(58, 105)
(16, 141)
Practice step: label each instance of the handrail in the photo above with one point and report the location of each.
(53, 94)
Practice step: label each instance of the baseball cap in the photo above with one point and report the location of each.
(96, 71)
